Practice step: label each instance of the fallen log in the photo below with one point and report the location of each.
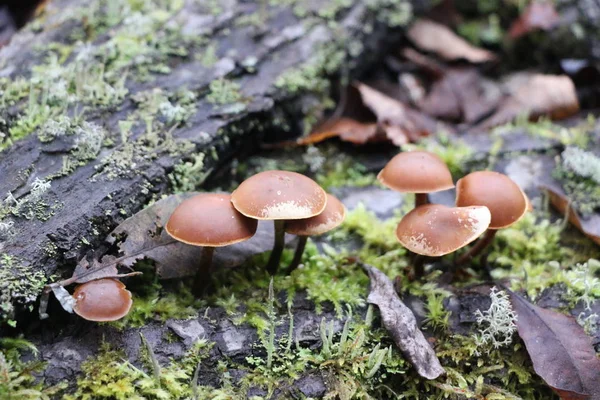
(106, 106)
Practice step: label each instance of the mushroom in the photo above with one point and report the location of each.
(102, 300)
(500, 194)
(209, 220)
(279, 196)
(418, 172)
(331, 217)
(434, 230)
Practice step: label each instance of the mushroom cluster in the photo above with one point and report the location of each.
(485, 202)
(295, 203)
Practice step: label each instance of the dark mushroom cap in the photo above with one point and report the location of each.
(500, 194)
(209, 219)
(332, 216)
(282, 195)
(416, 172)
(102, 300)
(434, 230)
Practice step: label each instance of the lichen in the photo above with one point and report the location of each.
(497, 323)
(579, 173)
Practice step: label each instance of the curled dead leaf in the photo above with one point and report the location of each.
(436, 38)
(561, 352)
(539, 15)
(346, 129)
(401, 324)
(391, 112)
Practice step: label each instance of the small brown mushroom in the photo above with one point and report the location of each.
(209, 220)
(279, 196)
(418, 172)
(434, 230)
(500, 194)
(331, 217)
(102, 300)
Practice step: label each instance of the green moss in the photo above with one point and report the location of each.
(153, 302)
(345, 173)
(108, 376)
(19, 286)
(209, 57)
(578, 135)
(17, 378)
(223, 91)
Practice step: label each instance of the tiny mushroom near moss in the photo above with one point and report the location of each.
(209, 220)
(102, 300)
(418, 172)
(500, 194)
(434, 230)
(279, 196)
(331, 217)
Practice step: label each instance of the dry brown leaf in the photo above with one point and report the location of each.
(536, 95)
(559, 199)
(539, 15)
(462, 94)
(435, 38)
(347, 130)
(391, 112)
(401, 324)
(561, 352)
(428, 64)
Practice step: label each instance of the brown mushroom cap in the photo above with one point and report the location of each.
(500, 194)
(102, 300)
(209, 219)
(279, 195)
(416, 172)
(332, 216)
(434, 230)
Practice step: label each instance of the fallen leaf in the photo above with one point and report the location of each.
(145, 237)
(462, 94)
(391, 112)
(589, 226)
(428, 64)
(438, 39)
(142, 236)
(539, 15)
(535, 95)
(346, 129)
(401, 324)
(561, 352)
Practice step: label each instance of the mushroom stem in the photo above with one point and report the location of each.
(275, 258)
(481, 245)
(419, 266)
(421, 199)
(298, 254)
(202, 279)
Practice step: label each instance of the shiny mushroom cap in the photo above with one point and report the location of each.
(209, 219)
(279, 195)
(416, 172)
(434, 230)
(500, 194)
(332, 216)
(102, 300)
